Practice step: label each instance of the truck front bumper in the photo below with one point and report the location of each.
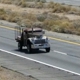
(40, 46)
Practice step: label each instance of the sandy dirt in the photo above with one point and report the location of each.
(70, 16)
(19, 9)
(36, 11)
(6, 74)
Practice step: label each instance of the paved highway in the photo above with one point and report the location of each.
(63, 55)
(69, 2)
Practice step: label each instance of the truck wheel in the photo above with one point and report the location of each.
(19, 46)
(29, 48)
(48, 49)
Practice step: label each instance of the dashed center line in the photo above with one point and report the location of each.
(60, 52)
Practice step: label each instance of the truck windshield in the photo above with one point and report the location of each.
(35, 34)
(35, 31)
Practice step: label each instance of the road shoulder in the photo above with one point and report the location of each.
(69, 37)
(32, 70)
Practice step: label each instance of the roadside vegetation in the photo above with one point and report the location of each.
(47, 20)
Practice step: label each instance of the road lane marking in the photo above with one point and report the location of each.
(66, 54)
(60, 52)
(75, 43)
(27, 58)
(7, 27)
(65, 41)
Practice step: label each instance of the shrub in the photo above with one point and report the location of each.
(22, 3)
(59, 8)
(46, 20)
(2, 12)
(76, 24)
(43, 1)
(53, 17)
(66, 27)
(41, 17)
(25, 23)
(12, 17)
(30, 16)
(38, 24)
(6, 1)
(51, 5)
(30, 5)
(62, 26)
(39, 5)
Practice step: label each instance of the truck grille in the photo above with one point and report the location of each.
(40, 41)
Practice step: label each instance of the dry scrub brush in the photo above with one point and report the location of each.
(62, 25)
(59, 8)
(47, 21)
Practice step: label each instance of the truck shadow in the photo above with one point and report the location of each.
(34, 52)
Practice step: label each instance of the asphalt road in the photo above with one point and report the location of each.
(69, 2)
(62, 55)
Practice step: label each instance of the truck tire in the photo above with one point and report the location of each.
(48, 49)
(19, 46)
(29, 48)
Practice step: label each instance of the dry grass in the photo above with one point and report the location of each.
(59, 8)
(57, 22)
(56, 7)
(25, 10)
(62, 25)
(25, 3)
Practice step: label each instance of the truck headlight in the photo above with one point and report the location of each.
(46, 40)
(33, 40)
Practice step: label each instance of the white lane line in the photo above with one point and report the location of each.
(40, 62)
(60, 52)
